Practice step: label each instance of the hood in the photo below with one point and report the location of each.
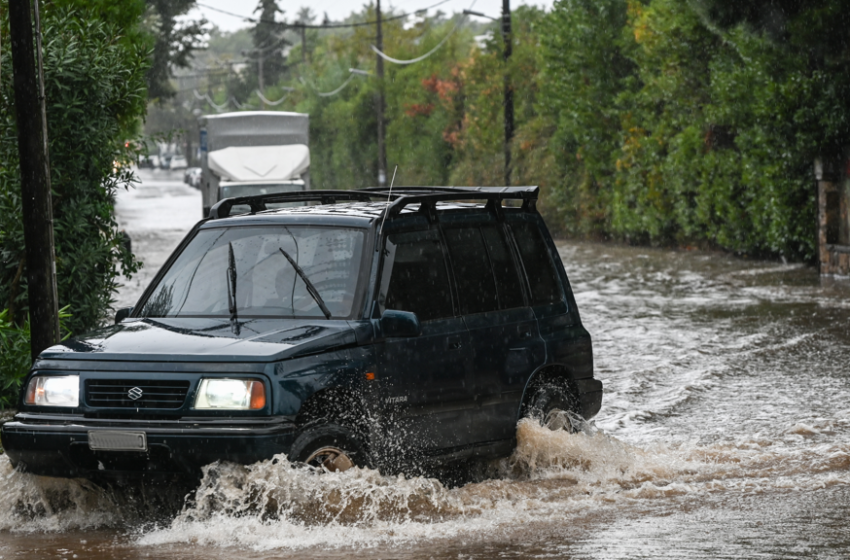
(204, 340)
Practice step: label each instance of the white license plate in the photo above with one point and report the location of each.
(112, 440)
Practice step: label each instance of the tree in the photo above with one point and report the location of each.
(586, 68)
(268, 44)
(811, 33)
(173, 45)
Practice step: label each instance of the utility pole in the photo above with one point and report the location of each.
(509, 92)
(303, 43)
(35, 181)
(260, 70)
(382, 148)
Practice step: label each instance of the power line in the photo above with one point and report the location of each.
(328, 26)
(354, 72)
(424, 56)
(274, 103)
(337, 90)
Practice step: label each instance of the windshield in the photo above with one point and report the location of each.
(267, 284)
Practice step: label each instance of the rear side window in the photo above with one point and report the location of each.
(537, 261)
(504, 268)
(415, 277)
(475, 283)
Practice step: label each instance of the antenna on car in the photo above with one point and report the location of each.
(392, 181)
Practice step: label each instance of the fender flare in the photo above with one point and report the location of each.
(541, 374)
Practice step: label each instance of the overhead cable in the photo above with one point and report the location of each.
(218, 108)
(274, 103)
(329, 26)
(424, 56)
(432, 51)
(237, 104)
(353, 72)
(337, 90)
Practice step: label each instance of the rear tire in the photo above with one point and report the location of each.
(330, 447)
(554, 405)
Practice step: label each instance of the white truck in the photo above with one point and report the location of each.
(253, 152)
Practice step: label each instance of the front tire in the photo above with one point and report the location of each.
(330, 447)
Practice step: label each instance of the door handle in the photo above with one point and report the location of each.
(454, 344)
(525, 335)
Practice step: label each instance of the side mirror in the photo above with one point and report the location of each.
(400, 324)
(122, 314)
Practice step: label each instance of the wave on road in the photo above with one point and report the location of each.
(551, 475)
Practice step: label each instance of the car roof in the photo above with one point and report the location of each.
(349, 213)
(367, 205)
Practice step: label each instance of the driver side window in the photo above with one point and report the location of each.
(415, 276)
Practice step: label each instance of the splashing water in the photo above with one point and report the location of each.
(275, 505)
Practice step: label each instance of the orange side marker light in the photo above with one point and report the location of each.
(370, 376)
(258, 395)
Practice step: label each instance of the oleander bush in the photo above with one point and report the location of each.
(94, 64)
(15, 358)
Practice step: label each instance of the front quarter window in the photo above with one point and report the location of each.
(415, 277)
(266, 283)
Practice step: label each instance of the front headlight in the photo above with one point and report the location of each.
(231, 394)
(54, 391)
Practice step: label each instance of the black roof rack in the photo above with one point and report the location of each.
(257, 203)
(404, 196)
(400, 196)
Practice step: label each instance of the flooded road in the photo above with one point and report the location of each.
(724, 433)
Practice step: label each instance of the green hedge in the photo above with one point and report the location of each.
(94, 64)
(15, 355)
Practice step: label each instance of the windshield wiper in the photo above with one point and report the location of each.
(310, 287)
(231, 283)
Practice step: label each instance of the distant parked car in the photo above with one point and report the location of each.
(192, 177)
(178, 162)
(149, 161)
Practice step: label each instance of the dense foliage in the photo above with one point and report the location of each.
(674, 122)
(95, 63)
(175, 38)
(15, 357)
(716, 135)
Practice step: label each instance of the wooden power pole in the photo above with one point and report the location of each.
(382, 148)
(35, 181)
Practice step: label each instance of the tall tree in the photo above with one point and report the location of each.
(269, 43)
(174, 43)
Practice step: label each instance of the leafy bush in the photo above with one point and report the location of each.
(674, 131)
(95, 89)
(15, 358)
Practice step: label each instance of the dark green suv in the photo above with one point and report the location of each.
(359, 328)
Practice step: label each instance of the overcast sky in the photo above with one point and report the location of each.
(339, 9)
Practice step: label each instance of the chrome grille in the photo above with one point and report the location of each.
(119, 393)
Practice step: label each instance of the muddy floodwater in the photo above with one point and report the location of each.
(724, 433)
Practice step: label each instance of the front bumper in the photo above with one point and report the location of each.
(58, 445)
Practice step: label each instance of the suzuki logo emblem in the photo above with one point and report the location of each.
(135, 393)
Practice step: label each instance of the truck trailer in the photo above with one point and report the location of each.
(252, 153)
